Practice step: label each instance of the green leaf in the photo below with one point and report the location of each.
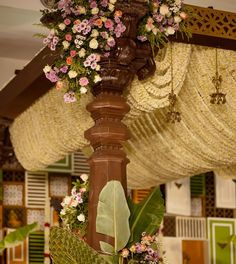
(16, 237)
(111, 259)
(113, 214)
(146, 216)
(107, 248)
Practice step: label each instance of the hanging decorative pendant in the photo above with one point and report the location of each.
(218, 97)
(172, 115)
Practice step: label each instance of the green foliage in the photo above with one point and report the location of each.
(146, 216)
(113, 214)
(67, 248)
(16, 237)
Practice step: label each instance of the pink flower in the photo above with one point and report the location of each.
(109, 24)
(83, 81)
(73, 53)
(68, 37)
(67, 21)
(183, 15)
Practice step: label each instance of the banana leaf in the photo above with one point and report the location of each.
(113, 214)
(67, 248)
(16, 237)
(146, 216)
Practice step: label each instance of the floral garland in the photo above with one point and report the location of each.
(74, 213)
(84, 31)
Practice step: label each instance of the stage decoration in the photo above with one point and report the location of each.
(74, 213)
(134, 227)
(185, 148)
(85, 33)
(172, 114)
(218, 97)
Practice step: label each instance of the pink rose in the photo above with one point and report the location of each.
(73, 53)
(68, 37)
(67, 21)
(83, 81)
(183, 15)
(109, 24)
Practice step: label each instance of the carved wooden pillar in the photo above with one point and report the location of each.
(109, 161)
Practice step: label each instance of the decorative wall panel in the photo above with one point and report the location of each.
(36, 248)
(36, 215)
(225, 195)
(219, 232)
(59, 186)
(36, 187)
(197, 206)
(13, 194)
(13, 217)
(173, 247)
(140, 194)
(80, 164)
(180, 189)
(13, 176)
(65, 165)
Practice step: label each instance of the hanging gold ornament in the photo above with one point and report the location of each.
(172, 114)
(218, 97)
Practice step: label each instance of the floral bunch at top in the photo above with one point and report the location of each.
(82, 31)
(165, 18)
(148, 250)
(74, 213)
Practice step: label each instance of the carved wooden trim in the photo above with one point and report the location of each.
(215, 23)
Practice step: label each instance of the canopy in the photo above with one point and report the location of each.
(204, 140)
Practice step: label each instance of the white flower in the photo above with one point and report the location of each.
(63, 212)
(97, 78)
(65, 44)
(83, 90)
(164, 10)
(47, 68)
(66, 200)
(93, 44)
(82, 10)
(84, 177)
(72, 74)
(74, 203)
(111, 7)
(95, 11)
(73, 191)
(81, 217)
(112, 1)
(98, 67)
(82, 53)
(95, 33)
(62, 26)
(170, 31)
(177, 19)
(155, 30)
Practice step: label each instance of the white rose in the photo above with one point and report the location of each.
(82, 53)
(72, 74)
(164, 10)
(63, 212)
(82, 10)
(177, 19)
(65, 44)
(84, 177)
(98, 67)
(95, 33)
(154, 30)
(81, 218)
(111, 7)
(74, 29)
(83, 90)
(104, 19)
(47, 68)
(112, 1)
(97, 78)
(170, 31)
(67, 200)
(95, 11)
(93, 44)
(62, 26)
(74, 203)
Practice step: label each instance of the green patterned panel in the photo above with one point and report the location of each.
(63, 165)
(36, 248)
(197, 185)
(219, 232)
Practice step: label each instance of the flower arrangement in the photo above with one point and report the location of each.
(83, 31)
(148, 251)
(74, 213)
